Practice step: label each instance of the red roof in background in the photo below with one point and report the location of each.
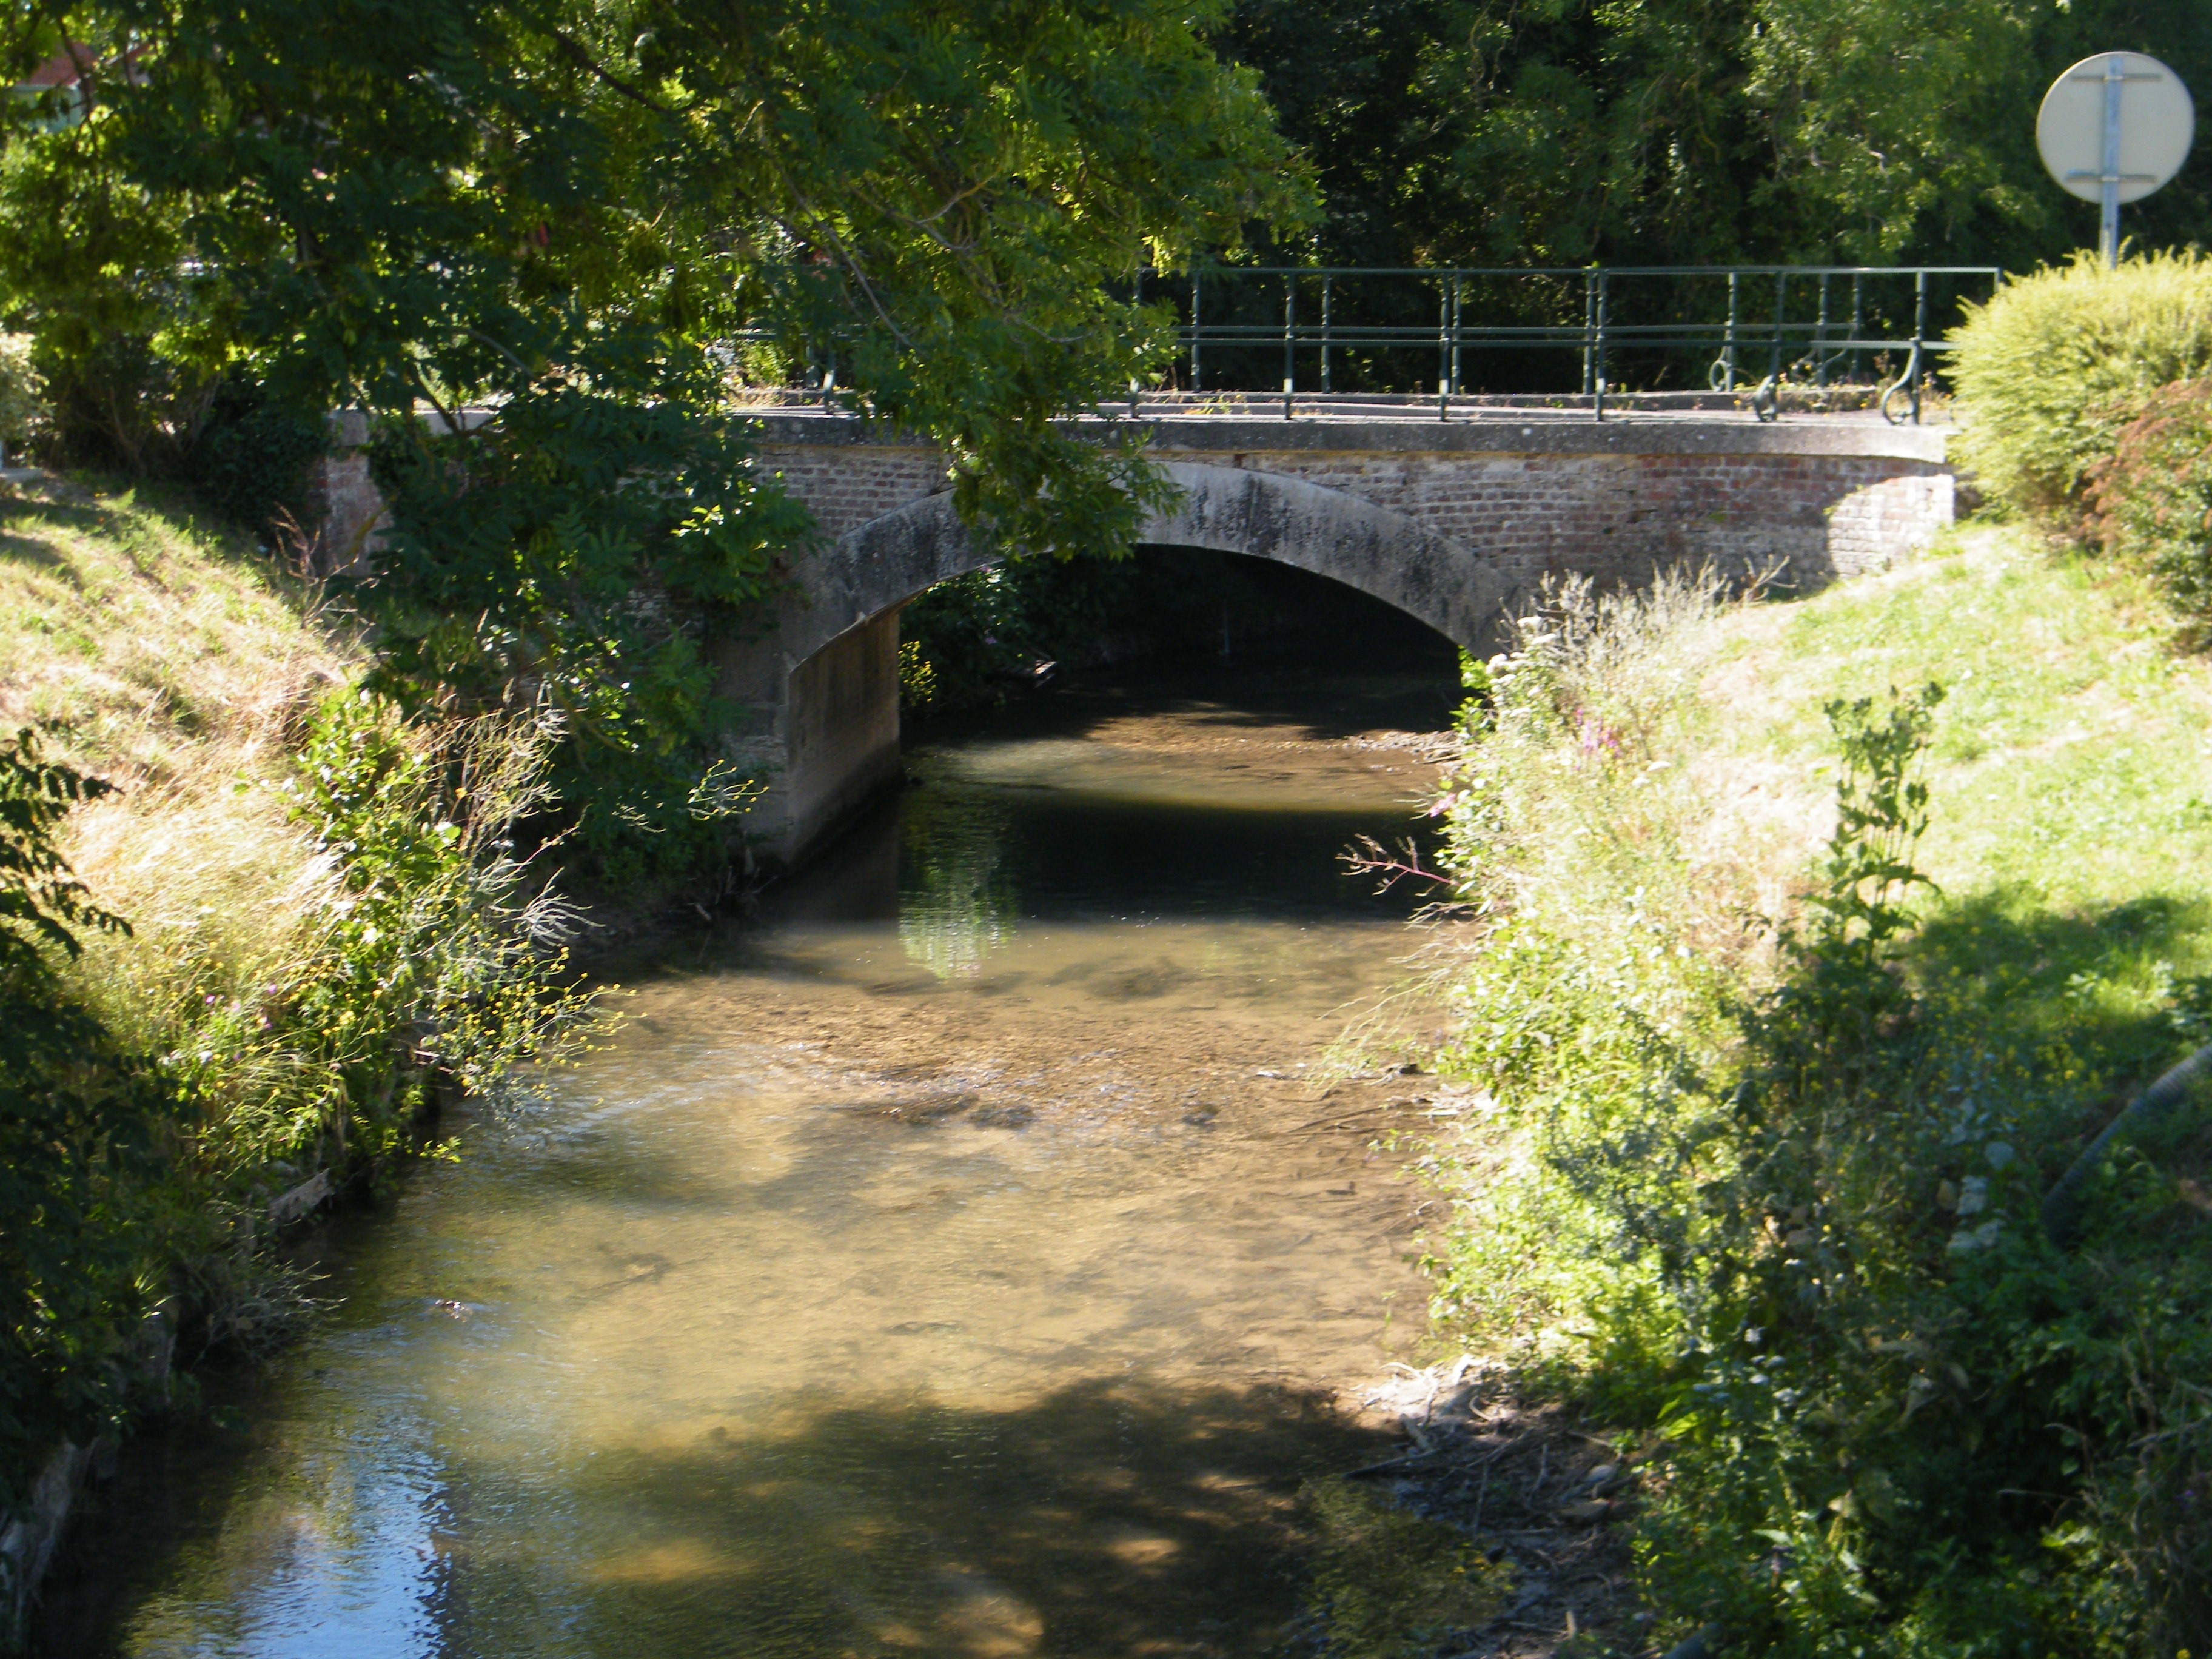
(64, 68)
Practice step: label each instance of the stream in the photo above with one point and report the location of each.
(952, 1259)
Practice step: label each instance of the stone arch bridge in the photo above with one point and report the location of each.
(1450, 522)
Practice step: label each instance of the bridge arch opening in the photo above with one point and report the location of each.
(1187, 614)
(824, 686)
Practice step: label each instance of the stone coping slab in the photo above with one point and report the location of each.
(1667, 434)
(1492, 432)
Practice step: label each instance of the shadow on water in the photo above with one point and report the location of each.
(1413, 687)
(1107, 1518)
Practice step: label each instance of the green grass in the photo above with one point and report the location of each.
(327, 934)
(1729, 1139)
(2070, 729)
(2071, 835)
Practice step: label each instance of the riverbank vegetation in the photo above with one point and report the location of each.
(1814, 942)
(1755, 1166)
(2089, 390)
(257, 923)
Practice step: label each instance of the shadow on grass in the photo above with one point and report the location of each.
(108, 515)
(2098, 1002)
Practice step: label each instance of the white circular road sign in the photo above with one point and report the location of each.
(2118, 114)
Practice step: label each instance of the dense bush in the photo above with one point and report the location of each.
(74, 1121)
(1766, 1196)
(575, 559)
(249, 460)
(2058, 364)
(24, 416)
(2152, 498)
(420, 962)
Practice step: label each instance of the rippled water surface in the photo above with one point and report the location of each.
(953, 1259)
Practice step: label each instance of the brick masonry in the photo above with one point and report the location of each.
(1825, 501)
(1614, 515)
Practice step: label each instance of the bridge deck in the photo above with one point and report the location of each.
(1847, 406)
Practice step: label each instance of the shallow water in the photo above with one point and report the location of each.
(951, 1260)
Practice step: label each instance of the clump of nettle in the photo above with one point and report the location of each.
(1766, 1196)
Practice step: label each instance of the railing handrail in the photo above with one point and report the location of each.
(1828, 340)
(1573, 271)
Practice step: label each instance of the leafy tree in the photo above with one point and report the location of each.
(573, 217)
(1557, 131)
(41, 903)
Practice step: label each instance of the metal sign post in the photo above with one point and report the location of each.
(2113, 129)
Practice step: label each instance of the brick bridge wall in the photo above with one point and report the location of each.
(1486, 509)
(1830, 498)
(1450, 520)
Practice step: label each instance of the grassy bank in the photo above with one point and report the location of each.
(326, 935)
(1770, 1098)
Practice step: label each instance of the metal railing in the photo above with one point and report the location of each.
(1819, 324)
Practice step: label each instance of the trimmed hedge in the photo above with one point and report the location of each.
(2057, 365)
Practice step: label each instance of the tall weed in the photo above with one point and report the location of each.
(414, 955)
(173, 1082)
(328, 932)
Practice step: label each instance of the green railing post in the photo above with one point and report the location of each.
(1598, 380)
(1859, 324)
(1443, 351)
(1454, 325)
(1919, 337)
(1774, 357)
(1589, 314)
(1728, 352)
(1324, 333)
(1194, 330)
(1290, 341)
(1821, 337)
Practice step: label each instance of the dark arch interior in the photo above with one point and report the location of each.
(1271, 611)
(1172, 611)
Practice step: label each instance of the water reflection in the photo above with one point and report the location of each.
(951, 1264)
(956, 902)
